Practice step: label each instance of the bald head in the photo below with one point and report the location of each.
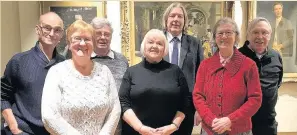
(51, 18)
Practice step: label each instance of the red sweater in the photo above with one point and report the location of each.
(232, 91)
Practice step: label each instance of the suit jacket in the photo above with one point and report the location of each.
(191, 54)
(285, 35)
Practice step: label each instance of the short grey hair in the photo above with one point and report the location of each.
(226, 20)
(254, 22)
(156, 33)
(98, 23)
(167, 12)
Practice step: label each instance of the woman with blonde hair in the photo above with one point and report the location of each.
(79, 95)
(153, 93)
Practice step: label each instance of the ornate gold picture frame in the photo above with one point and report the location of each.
(137, 17)
(285, 45)
(71, 11)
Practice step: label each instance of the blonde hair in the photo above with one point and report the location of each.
(154, 33)
(167, 12)
(79, 26)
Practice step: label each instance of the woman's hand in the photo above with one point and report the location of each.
(166, 130)
(221, 125)
(145, 130)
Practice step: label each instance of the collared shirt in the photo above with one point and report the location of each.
(170, 41)
(223, 60)
(110, 54)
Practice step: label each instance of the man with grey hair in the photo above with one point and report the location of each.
(186, 52)
(270, 68)
(116, 62)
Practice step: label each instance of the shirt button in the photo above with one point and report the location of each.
(220, 95)
(220, 115)
(219, 104)
(220, 85)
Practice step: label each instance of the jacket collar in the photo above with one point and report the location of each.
(232, 67)
(252, 53)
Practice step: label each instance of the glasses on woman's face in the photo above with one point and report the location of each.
(78, 39)
(226, 33)
(47, 29)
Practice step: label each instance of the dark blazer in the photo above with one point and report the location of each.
(191, 54)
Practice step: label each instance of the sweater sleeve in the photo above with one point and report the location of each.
(199, 97)
(8, 84)
(112, 119)
(184, 106)
(254, 96)
(124, 91)
(51, 98)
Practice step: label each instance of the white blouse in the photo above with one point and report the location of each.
(73, 104)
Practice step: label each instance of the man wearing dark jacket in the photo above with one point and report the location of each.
(270, 69)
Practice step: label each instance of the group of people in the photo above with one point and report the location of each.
(96, 92)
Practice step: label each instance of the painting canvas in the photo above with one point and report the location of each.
(202, 17)
(283, 22)
(69, 15)
(71, 11)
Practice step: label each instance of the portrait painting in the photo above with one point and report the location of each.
(202, 17)
(70, 12)
(282, 17)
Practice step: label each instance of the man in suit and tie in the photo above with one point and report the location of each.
(184, 51)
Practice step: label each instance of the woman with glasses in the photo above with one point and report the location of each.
(79, 95)
(227, 92)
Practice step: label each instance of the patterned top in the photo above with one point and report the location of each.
(73, 104)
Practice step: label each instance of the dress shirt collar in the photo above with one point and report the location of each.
(170, 37)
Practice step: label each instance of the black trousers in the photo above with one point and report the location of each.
(263, 121)
(187, 125)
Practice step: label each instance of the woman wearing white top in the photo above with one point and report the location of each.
(79, 95)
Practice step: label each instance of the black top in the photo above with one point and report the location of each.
(22, 85)
(155, 92)
(271, 72)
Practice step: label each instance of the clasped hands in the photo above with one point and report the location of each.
(165, 130)
(221, 125)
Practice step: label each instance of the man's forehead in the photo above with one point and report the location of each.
(54, 25)
(103, 29)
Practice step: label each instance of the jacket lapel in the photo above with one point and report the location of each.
(184, 50)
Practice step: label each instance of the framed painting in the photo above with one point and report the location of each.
(138, 17)
(71, 11)
(283, 19)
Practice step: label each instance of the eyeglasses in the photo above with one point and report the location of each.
(105, 34)
(263, 33)
(227, 33)
(48, 29)
(78, 39)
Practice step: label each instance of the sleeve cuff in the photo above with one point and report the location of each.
(5, 105)
(209, 119)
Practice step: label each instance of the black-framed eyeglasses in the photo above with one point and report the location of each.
(48, 29)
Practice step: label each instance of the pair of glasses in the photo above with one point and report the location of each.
(78, 39)
(226, 33)
(263, 33)
(100, 34)
(48, 29)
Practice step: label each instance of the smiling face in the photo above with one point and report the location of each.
(81, 44)
(175, 21)
(103, 37)
(154, 48)
(50, 29)
(259, 37)
(225, 36)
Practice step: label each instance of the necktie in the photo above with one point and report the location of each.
(174, 55)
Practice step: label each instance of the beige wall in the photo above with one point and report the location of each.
(18, 20)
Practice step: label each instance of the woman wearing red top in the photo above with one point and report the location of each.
(227, 92)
